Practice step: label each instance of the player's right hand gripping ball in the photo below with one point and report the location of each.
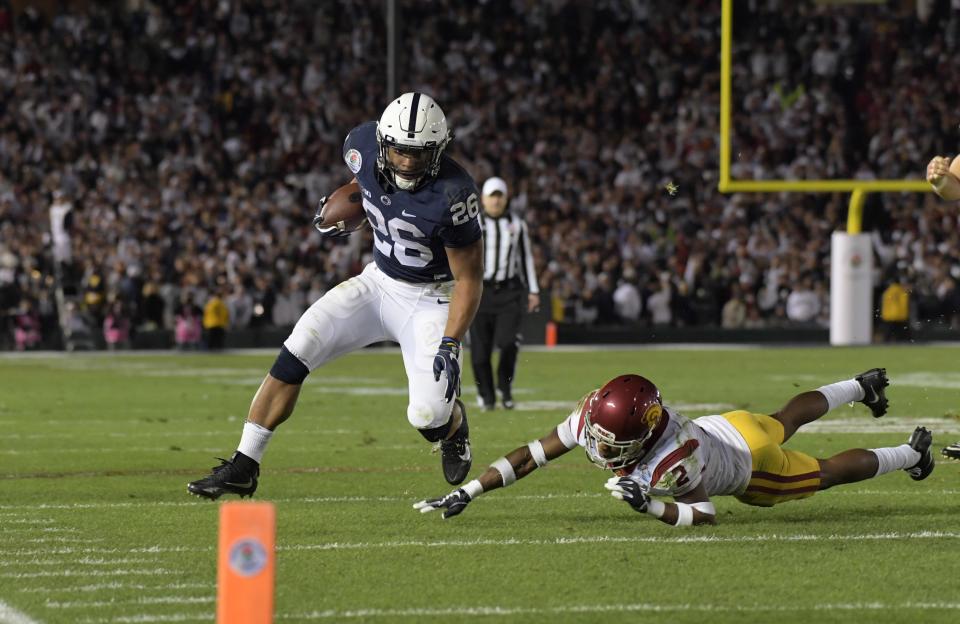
(341, 213)
(453, 503)
(629, 491)
(448, 360)
(327, 231)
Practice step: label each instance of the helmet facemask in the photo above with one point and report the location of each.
(407, 166)
(607, 452)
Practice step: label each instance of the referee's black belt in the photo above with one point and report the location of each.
(503, 284)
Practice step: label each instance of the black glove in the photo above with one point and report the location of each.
(448, 359)
(628, 490)
(454, 502)
(327, 231)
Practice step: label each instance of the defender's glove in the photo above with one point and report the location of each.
(448, 359)
(327, 231)
(628, 490)
(454, 503)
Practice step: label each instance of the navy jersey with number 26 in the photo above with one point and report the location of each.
(411, 230)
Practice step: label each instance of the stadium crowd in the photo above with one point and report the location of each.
(188, 142)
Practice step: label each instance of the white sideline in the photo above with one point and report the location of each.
(614, 539)
(496, 610)
(201, 506)
(558, 541)
(9, 615)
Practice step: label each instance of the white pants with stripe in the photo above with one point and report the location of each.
(373, 307)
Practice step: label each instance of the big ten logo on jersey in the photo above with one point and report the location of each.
(464, 211)
(389, 241)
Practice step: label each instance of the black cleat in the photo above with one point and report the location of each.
(920, 441)
(237, 475)
(873, 382)
(456, 457)
(508, 400)
(951, 451)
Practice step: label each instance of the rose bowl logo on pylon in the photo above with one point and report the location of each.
(855, 260)
(248, 557)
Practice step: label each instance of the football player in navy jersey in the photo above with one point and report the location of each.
(421, 291)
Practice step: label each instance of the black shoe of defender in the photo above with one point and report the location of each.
(920, 441)
(456, 457)
(873, 382)
(951, 451)
(237, 475)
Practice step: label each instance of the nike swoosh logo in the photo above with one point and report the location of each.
(240, 485)
(406, 214)
(442, 302)
(875, 396)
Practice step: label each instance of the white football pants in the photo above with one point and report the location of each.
(373, 307)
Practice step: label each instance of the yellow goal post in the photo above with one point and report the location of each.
(857, 188)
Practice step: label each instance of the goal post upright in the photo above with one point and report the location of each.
(851, 257)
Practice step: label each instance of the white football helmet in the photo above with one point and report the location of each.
(411, 135)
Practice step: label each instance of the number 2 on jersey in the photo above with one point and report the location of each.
(389, 241)
(464, 211)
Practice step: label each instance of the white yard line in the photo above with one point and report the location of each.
(86, 573)
(90, 561)
(616, 539)
(149, 619)
(558, 541)
(95, 587)
(158, 600)
(9, 615)
(497, 610)
(204, 506)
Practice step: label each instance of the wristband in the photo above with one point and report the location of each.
(536, 451)
(505, 468)
(473, 489)
(656, 508)
(684, 515)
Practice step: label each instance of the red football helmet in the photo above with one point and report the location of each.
(619, 418)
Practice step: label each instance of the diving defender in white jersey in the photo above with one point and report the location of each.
(653, 450)
(421, 291)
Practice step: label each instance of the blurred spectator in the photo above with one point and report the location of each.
(116, 327)
(26, 326)
(658, 303)
(216, 319)
(734, 314)
(187, 330)
(803, 304)
(895, 312)
(626, 299)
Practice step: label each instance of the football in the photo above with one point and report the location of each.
(344, 209)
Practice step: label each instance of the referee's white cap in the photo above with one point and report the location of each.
(494, 185)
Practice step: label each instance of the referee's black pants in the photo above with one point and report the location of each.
(497, 325)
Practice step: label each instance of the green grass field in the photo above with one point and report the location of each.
(96, 525)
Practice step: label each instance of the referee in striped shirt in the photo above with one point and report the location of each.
(509, 289)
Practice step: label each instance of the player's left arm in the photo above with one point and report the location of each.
(466, 266)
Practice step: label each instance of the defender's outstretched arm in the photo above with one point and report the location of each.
(516, 464)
